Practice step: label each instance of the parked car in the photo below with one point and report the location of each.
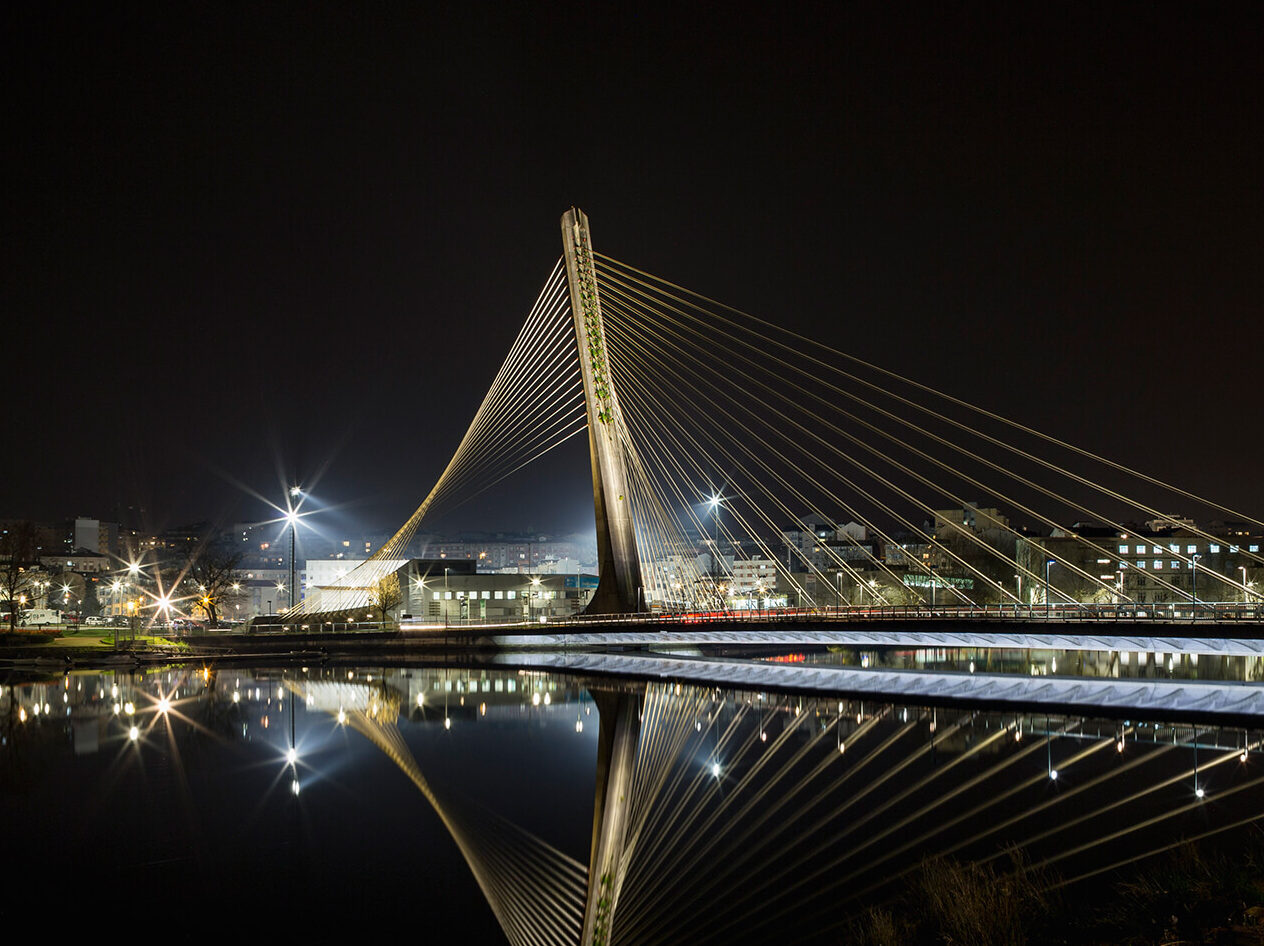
(95, 620)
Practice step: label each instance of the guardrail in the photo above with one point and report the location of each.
(1070, 613)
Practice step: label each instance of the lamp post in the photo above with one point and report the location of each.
(1193, 585)
(714, 503)
(1048, 562)
(291, 517)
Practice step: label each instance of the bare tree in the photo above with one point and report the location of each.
(19, 567)
(386, 595)
(213, 580)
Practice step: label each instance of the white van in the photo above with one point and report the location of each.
(40, 616)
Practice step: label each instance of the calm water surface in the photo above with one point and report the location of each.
(462, 799)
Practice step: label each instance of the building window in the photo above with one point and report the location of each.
(487, 595)
(1253, 548)
(1213, 549)
(447, 596)
(1191, 549)
(1175, 564)
(436, 595)
(511, 594)
(1157, 563)
(500, 596)
(1141, 564)
(1123, 550)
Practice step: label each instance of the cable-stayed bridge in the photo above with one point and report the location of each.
(709, 426)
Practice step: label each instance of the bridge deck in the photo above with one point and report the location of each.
(661, 659)
(898, 638)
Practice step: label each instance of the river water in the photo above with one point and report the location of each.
(262, 801)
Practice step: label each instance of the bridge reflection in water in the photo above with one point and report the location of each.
(729, 815)
(722, 814)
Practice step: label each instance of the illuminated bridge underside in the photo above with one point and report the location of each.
(1224, 647)
(1146, 696)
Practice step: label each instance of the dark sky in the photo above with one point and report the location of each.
(244, 238)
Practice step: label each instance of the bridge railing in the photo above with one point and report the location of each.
(1059, 613)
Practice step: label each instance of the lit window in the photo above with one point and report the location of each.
(1141, 564)
(1123, 550)
(1191, 549)
(1123, 565)
(1233, 550)
(487, 595)
(1252, 548)
(447, 596)
(1157, 550)
(511, 594)
(1174, 547)
(1175, 564)
(436, 595)
(500, 596)
(1213, 549)
(1157, 563)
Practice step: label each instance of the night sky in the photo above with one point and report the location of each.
(251, 243)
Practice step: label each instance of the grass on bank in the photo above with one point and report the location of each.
(82, 638)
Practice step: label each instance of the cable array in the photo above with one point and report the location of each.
(534, 404)
(737, 429)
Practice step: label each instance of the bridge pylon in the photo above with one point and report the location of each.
(619, 588)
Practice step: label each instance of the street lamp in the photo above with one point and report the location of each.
(714, 503)
(1193, 584)
(291, 517)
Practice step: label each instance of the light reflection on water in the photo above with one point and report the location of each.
(1157, 664)
(467, 794)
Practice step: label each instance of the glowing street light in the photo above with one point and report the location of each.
(714, 503)
(291, 517)
(1193, 586)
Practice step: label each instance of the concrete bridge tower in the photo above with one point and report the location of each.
(619, 588)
